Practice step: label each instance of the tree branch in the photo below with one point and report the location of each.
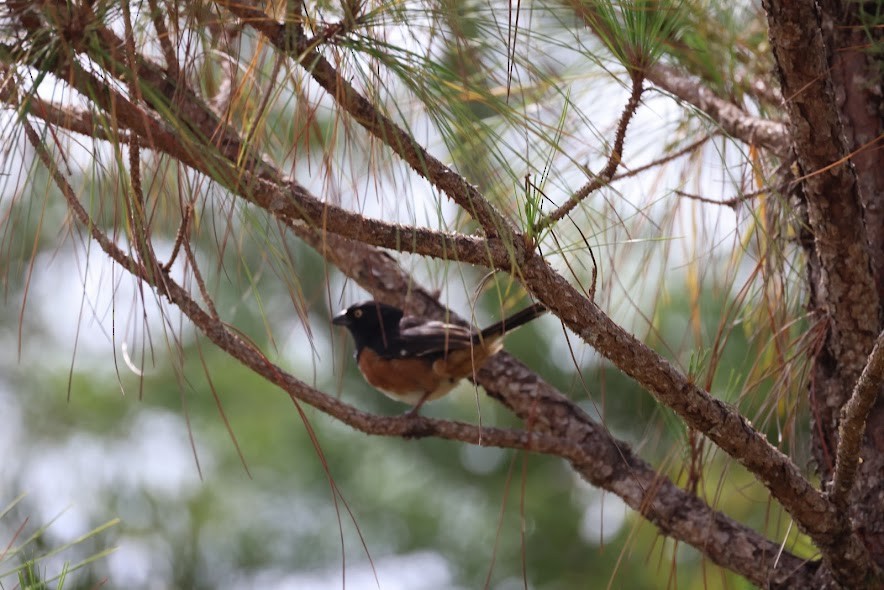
(613, 465)
(853, 424)
(812, 511)
(268, 189)
(732, 119)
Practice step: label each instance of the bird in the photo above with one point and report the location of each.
(415, 359)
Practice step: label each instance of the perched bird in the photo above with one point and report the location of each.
(415, 360)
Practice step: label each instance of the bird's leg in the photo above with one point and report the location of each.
(414, 411)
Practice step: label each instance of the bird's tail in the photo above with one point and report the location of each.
(509, 324)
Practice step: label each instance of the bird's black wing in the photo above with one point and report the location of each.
(421, 337)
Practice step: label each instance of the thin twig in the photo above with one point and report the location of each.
(604, 177)
(180, 236)
(665, 159)
(136, 204)
(733, 202)
(200, 283)
(853, 423)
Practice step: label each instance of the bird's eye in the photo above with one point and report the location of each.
(357, 313)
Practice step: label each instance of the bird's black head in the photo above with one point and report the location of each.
(371, 323)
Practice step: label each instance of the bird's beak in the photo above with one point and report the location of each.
(341, 319)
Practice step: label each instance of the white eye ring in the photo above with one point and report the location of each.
(357, 313)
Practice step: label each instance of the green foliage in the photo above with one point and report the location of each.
(30, 549)
(724, 45)
(637, 32)
(871, 17)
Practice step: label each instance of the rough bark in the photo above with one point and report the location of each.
(856, 71)
(827, 100)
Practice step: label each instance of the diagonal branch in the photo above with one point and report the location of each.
(853, 423)
(246, 173)
(282, 197)
(613, 465)
(812, 511)
(732, 119)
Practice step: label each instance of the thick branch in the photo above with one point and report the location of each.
(856, 64)
(732, 119)
(609, 463)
